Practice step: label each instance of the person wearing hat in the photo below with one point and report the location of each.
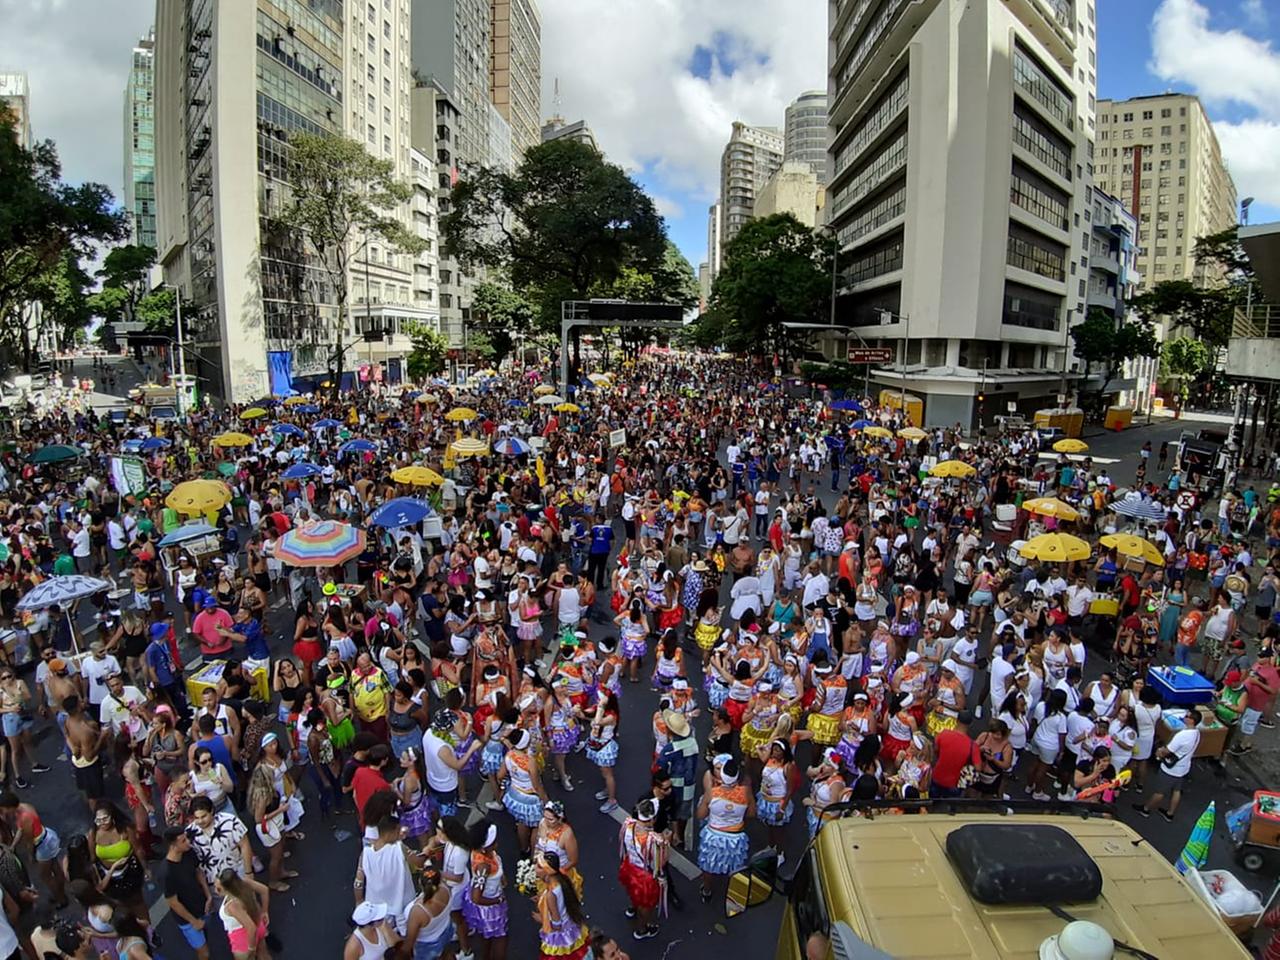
(163, 677)
(643, 860)
(1231, 702)
(374, 935)
(524, 796)
(679, 759)
(208, 628)
(947, 701)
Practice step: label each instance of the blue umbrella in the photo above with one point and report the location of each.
(846, 405)
(326, 423)
(154, 443)
(411, 394)
(307, 408)
(862, 424)
(400, 512)
(1139, 509)
(516, 402)
(358, 446)
(188, 531)
(300, 471)
(511, 447)
(133, 445)
(289, 429)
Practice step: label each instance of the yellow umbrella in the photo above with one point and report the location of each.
(1051, 507)
(1131, 545)
(196, 497)
(232, 439)
(878, 432)
(912, 433)
(458, 414)
(1056, 548)
(417, 476)
(567, 408)
(253, 413)
(543, 389)
(428, 398)
(600, 379)
(469, 447)
(1070, 445)
(294, 401)
(953, 469)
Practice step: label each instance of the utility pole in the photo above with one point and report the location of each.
(180, 367)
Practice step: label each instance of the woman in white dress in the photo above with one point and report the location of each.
(1146, 714)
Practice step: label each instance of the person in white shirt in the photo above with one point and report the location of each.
(965, 654)
(96, 668)
(1002, 671)
(80, 550)
(1175, 763)
(1079, 596)
(816, 584)
(124, 710)
(569, 602)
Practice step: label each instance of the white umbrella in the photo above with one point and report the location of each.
(64, 592)
(549, 400)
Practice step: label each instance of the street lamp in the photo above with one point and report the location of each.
(180, 392)
(1245, 204)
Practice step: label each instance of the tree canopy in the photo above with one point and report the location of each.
(42, 222)
(776, 270)
(1099, 339)
(427, 354)
(339, 197)
(501, 315)
(564, 223)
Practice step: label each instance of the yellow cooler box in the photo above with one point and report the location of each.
(209, 675)
(1118, 418)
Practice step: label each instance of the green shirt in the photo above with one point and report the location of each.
(64, 566)
(1230, 705)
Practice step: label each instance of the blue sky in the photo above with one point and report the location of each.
(1222, 50)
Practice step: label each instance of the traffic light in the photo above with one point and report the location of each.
(981, 396)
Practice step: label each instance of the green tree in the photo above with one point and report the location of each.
(1186, 360)
(124, 276)
(427, 353)
(1099, 339)
(565, 222)
(42, 220)
(340, 197)
(157, 311)
(1207, 312)
(501, 314)
(63, 295)
(776, 271)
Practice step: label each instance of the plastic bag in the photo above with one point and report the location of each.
(1238, 821)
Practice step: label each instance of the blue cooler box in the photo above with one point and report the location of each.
(1180, 689)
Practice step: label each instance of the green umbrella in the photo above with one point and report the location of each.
(56, 453)
(1196, 853)
(227, 468)
(4, 551)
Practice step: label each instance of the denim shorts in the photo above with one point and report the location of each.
(14, 724)
(195, 938)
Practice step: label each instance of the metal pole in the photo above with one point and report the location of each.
(182, 355)
(368, 315)
(906, 345)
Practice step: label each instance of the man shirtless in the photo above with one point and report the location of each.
(85, 738)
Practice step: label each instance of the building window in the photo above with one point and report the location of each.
(1029, 307)
(1028, 251)
(885, 258)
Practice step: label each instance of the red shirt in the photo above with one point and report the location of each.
(364, 784)
(206, 627)
(281, 522)
(1258, 697)
(954, 750)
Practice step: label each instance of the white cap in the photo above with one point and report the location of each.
(912, 658)
(367, 912)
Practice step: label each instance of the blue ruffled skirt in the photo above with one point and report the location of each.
(772, 813)
(491, 757)
(526, 808)
(606, 756)
(722, 853)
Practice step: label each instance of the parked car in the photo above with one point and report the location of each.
(1048, 436)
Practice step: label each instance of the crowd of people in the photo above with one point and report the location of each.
(797, 604)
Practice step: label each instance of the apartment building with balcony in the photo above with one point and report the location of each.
(139, 142)
(750, 158)
(959, 164)
(805, 132)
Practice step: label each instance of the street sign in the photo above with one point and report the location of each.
(870, 354)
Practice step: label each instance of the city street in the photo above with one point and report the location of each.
(312, 917)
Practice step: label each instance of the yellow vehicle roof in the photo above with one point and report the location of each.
(902, 895)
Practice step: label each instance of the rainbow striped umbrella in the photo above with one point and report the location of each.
(325, 543)
(1196, 853)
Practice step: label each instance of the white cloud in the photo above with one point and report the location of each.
(622, 67)
(1226, 67)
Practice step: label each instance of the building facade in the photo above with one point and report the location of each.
(140, 142)
(232, 83)
(15, 93)
(960, 153)
(749, 159)
(1160, 156)
(557, 129)
(792, 189)
(714, 250)
(805, 132)
(515, 69)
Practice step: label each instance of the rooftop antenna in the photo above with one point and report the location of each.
(555, 99)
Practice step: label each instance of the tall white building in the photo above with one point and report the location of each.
(749, 159)
(805, 132)
(714, 249)
(233, 81)
(139, 142)
(15, 93)
(383, 281)
(960, 157)
(557, 128)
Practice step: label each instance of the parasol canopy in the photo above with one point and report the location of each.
(400, 512)
(952, 469)
(62, 591)
(198, 496)
(232, 438)
(1051, 507)
(253, 413)
(460, 415)
(417, 476)
(1131, 545)
(511, 447)
(470, 447)
(325, 543)
(57, 453)
(1070, 445)
(1056, 548)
